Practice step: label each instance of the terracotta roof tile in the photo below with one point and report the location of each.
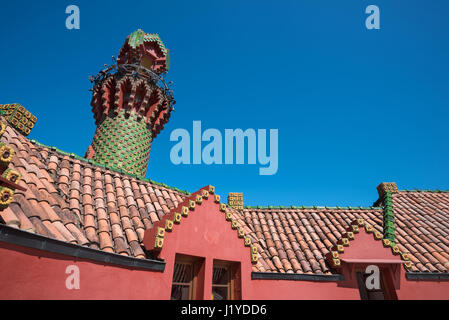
(137, 249)
(77, 233)
(53, 231)
(103, 225)
(135, 215)
(25, 223)
(140, 234)
(10, 218)
(114, 218)
(121, 246)
(131, 235)
(40, 228)
(92, 236)
(105, 240)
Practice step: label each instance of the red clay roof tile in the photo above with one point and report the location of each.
(137, 249)
(25, 223)
(105, 240)
(53, 231)
(10, 218)
(121, 246)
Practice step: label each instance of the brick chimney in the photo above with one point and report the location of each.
(131, 103)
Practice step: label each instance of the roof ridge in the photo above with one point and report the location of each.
(424, 190)
(107, 167)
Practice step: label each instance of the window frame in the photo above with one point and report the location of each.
(196, 264)
(231, 269)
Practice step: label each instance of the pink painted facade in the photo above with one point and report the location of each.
(205, 233)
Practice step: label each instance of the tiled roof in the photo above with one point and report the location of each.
(77, 201)
(422, 228)
(297, 240)
(81, 203)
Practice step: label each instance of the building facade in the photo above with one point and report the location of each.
(93, 227)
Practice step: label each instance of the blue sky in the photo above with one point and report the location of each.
(354, 107)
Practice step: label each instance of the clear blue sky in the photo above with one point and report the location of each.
(354, 107)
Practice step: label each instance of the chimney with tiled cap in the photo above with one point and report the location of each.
(18, 117)
(235, 200)
(386, 190)
(386, 187)
(131, 103)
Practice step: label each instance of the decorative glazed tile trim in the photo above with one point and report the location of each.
(184, 211)
(333, 256)
(9, 178)
(177, 217)
(6, 195)
(18, 117)
(155, 237)
(3, 127)
(388, 218)
(11, 175)
(385, 191)
(169, 225)
(6, 154)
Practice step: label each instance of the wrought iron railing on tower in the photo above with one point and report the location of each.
(138, 71)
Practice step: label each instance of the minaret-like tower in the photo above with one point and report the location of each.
(131, 104)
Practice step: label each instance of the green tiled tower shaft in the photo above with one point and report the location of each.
(123, 142)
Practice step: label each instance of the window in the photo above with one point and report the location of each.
(186, 284)
(385, 292)
(221, 284)
(182, 287)
(225, 281)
